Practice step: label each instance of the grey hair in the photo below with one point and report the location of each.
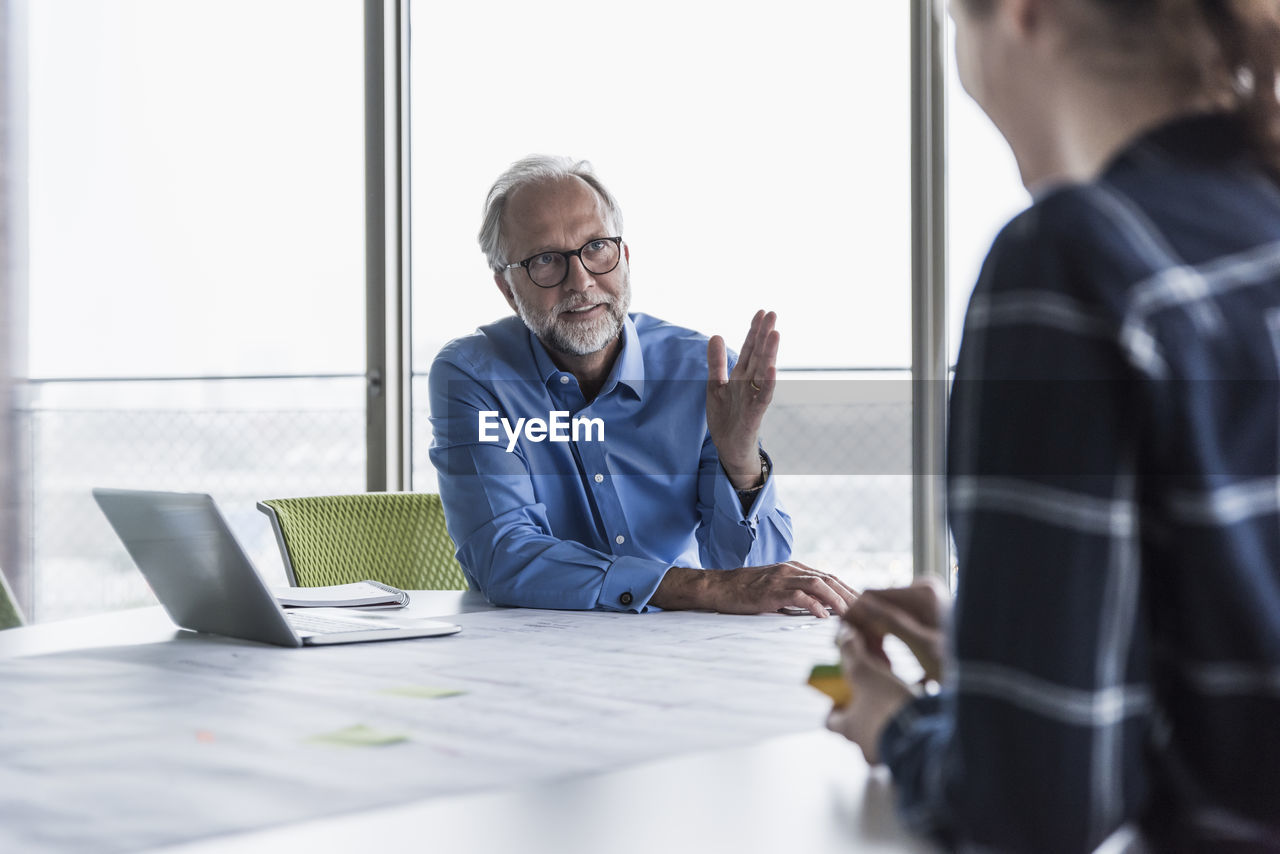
(535, 169)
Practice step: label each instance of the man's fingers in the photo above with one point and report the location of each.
(717, 362)
(791, 585)
(760, 349)
(850, 595)
(765, 336)
(761, 367)
(813, 604)
(846, 594)
(749, 343)
(826, 589)
(754, 374)
(813, 590)
(763, 386)
(767, 355)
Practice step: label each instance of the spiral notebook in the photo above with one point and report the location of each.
(366, 595)
(184, 548)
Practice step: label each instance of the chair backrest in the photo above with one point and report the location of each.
(398, 538)
(10, 615)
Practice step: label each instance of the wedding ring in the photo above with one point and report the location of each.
(754, 386)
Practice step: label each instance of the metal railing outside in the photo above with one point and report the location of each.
(841, 445)
(840, 442)
(239, 438)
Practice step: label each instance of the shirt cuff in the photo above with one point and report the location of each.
(728, 503)
(900, 735)
(630, 582)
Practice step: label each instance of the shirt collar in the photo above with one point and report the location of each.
(628, 368)
(1207, 137)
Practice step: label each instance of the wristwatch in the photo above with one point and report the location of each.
(764, 478)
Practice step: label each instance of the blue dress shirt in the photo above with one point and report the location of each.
(588, 523)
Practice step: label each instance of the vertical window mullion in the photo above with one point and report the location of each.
(929, 290)
(387, 245)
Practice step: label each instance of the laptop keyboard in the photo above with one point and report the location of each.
(317, 624)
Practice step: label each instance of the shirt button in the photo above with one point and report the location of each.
(599, 478)
(619, 539)
(564, 379)
(625, 598)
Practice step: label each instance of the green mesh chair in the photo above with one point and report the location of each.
(398, 538)
(10, 616)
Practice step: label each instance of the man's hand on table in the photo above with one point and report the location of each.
(754, 590)
(736, 402)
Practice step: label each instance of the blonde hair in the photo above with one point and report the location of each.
(1229, 49)
(1248, 35)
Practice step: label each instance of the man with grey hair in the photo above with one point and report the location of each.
(591, 458)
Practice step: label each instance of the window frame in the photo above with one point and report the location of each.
(388, 271)
(388, 219)
(389, 373)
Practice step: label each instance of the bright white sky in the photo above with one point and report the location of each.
(195, 181)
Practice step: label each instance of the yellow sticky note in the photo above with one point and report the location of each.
(423, 692)
(829, 679)
(358, 736)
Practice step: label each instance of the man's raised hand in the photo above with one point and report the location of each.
(736, 402)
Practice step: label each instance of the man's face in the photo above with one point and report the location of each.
(585, 312)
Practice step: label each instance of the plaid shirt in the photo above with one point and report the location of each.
(1115, 501)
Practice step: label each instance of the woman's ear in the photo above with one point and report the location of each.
(1023, 17)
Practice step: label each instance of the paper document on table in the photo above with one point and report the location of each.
(361, 594)
(215, 735)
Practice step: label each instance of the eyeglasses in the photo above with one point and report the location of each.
(549, 269)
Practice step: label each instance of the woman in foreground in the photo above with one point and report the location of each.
(1111, 671)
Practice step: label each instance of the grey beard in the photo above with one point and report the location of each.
(583, 342)
(575, 340)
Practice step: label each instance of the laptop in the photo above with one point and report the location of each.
(205, 581)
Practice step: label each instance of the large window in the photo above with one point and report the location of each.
(190, 179)
(762, 159)
(184, 251)
(984, 192)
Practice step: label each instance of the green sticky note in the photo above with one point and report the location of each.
(829, 679)
(358, 736)
(422, 692)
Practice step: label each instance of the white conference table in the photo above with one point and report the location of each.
(806, 790)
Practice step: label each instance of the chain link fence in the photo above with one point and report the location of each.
(841, 446)
(841, 449)
(177, 442)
